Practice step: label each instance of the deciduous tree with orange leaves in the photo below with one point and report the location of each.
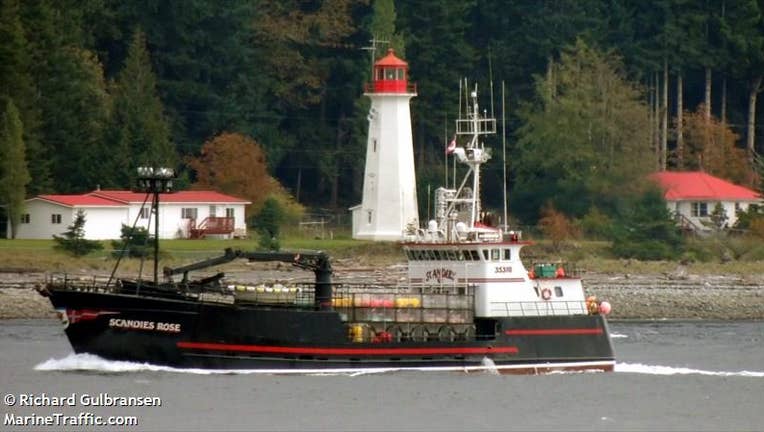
(235, 164)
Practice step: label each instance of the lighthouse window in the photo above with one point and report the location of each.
(380, 75)
(507, 254)
(389, 74)
(400, 74)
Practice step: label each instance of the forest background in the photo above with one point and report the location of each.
(265, 98)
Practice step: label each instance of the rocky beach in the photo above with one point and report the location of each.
(674, 295)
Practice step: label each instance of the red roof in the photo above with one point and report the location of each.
(174, 197)
(123, 197)
(390, 60)
(79, 200)
(698, 185)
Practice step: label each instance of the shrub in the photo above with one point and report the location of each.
(73, 241)
(645, 229)
(134, 241)
(556, 227)
(267, 223)
(596, 224)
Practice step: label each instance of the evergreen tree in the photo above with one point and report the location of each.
(645, 229)
(585, 145)
(134, 242)
(14, 175)
(267, 224)
(138, 126)
(72, 97)
(73, 240)
(18, 84)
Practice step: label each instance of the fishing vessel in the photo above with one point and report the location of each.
(469, 302)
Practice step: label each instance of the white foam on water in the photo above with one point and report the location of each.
(618, 336)
(93, 363)
(490, 366)
(670, 370)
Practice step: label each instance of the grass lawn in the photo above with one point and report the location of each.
(40, 255)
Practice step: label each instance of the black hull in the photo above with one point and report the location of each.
(187, 333)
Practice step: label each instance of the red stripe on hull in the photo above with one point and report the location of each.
(266, 349)
(554, 332)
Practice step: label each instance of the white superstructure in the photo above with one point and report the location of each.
(463, 244)
(389, 202)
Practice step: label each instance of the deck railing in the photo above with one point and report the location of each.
(539, 308)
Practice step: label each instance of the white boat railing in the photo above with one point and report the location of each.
(538, 308)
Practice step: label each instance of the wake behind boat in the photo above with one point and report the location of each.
(468, 301)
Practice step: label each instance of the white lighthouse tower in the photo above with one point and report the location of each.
(389, 184)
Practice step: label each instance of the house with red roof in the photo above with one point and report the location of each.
(692, 196)
(183, 214)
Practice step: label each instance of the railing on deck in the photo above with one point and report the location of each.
(539, 308)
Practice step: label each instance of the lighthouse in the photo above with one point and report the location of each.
(389, 201)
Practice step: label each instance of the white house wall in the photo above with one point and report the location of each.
(172, 225)
(104, 223)
(685, 208)
(40, 224)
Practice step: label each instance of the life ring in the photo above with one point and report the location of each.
(546, 294)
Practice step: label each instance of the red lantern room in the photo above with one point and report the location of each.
(391, 75)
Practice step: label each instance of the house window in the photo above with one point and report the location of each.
(145, 211)
(229, 213)
(188, 213)
(55, 218)
(25, 218)
(738, 208)
(699, 209)
(374, 145)
(368, 217)
(213, 211)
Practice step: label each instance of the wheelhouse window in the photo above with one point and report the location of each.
(558, 291)
(495, 255)
(188, 213)
(507, 254)
(55, 218)
(25, 218)
(700, 209)
(485, 255)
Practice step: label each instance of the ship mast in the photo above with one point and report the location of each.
(474, 153)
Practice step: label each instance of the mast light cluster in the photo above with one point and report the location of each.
(151, 179)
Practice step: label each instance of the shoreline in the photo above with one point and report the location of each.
(649, 297)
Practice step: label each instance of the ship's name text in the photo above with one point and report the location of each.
(144, 325)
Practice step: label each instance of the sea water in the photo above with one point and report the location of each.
(669, 375)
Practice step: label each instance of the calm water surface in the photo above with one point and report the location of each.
(685, 376)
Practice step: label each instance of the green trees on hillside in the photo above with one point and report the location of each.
(14, 175)
(139, 131)
(96, 99)
(585, 140)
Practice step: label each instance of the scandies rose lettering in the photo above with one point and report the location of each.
(144, 325)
